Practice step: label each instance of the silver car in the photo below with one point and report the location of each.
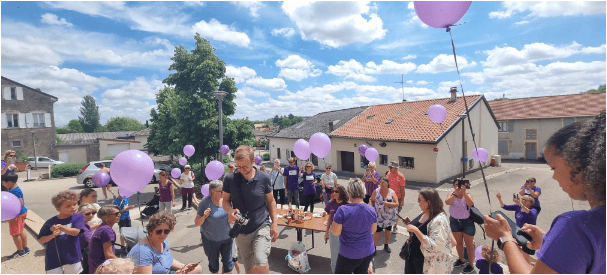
(85, 175)
(43, 162)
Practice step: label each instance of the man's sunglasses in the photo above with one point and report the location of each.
(115, 214)
(91, 213)
(159, 231)
(327, 168)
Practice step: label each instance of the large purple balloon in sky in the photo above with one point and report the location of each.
(132, 169)
(301, 148)
(214, 170)
(320, 145)
(188, 150)
(437, 113)
(101, 178)
(441, 14)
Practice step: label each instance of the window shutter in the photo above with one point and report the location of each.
(21, 120)
(19, 92)
(4, 121)
(7, 93)
(29, 120)
(47, 120)
(510, 126)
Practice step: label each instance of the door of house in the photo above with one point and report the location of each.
(347, 161)
(530, 150)
(314, 160)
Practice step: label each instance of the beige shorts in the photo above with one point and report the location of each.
(254, 248)
(67, 269)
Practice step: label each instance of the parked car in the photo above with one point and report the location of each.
(157, 168)
(43, 162)
(85, 175)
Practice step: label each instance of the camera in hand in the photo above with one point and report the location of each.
(463, 182)
(240, 221)
(521, 237)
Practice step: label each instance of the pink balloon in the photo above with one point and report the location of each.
(258, 160)
(176, 173)
(101, 178)
(183, 161)
(204, 190)
(480, 154)
(371, 154)
(362, 148)
(224, 149)
(132, 169)
(188, 150)
(302, 149)
(320, 145)
(437, 113)
(441, 14)
(214, 170)
(11, 206)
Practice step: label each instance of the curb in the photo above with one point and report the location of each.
(33, 222)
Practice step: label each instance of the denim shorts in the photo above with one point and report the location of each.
(462, 225)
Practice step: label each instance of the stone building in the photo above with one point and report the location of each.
(26, 110)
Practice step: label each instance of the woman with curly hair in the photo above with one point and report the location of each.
(60, 234)
(576, 154)
(152, 255)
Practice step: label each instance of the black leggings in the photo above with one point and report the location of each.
(414, 266)
(309, 201)
(186, 197)
(349, 266)
(280, 193)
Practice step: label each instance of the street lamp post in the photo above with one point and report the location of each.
(463, 146)
(35, 156)
(220, 95)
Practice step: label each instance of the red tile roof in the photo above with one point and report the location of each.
(549, 106)
(409, 120)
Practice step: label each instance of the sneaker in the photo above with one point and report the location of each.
(468, 269)
(27, 251)
(459, 263)
(387, 248)
(18, 254)
(395, 229)
(182, 209)
(189, 208)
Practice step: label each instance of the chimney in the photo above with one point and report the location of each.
(330, 126)
(453, 94)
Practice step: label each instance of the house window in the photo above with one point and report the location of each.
(406, 162)
(530, 134)
(278, 153)
(13, 120)
(503, 126)
(13, 93)
(38, 119)
(16, 143)
(502, 146)
(383, 160)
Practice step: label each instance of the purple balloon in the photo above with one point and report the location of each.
(441, 14)
(204, 190)
(183, 161)
(258, 160)
(437, 113)
(224, 149)
(214, 170)
(320, 145)
(175, 173)
(480, 154)
(478, 253)
(11, 206)
(371, 154)
(125, 192)
(101, 178)
(302, 149)
(362, 148)
(132, 169)
(188, 150)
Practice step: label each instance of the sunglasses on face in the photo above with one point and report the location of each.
(308, 166)
(187, 169)
(11, 155)
(115, 214)
(160, 231)
(327, 168)
(91, 213)
(163, 175)
(291, 162)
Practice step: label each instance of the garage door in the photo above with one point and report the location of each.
(115, 149)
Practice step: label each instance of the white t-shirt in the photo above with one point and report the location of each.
(96, 220)
(187, 181)
(329, 179)
(277, 179)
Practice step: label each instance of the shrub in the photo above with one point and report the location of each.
(265, 156)
(21, 156)
(108, 158)
(67, 169)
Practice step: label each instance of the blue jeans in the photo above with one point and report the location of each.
(212, 249)
(326, 196)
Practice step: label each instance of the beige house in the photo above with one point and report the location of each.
(527, 123)
(426, 151)
(87, 147)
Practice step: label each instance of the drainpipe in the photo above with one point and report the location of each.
(463, 147)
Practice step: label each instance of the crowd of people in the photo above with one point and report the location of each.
(238, 219)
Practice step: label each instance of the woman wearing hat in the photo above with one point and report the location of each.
(187, 187)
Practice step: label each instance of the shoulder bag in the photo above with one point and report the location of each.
(405, 250)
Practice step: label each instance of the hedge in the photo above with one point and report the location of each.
(266, 156)
(108, 158)
(67, 169)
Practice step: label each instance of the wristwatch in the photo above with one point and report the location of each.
(502, 241)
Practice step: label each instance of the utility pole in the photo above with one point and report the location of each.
(402, 85)
(220, 95)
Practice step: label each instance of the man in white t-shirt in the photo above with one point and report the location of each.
(187, 187)
(328, 181)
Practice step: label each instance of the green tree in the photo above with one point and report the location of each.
(117, 124)
(73, 126)
(101, 128)
(147, 124)
(285, 122)
(90, 114)
(601, 89)
(187, 110)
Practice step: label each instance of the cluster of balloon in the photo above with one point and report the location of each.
(362, 149)
(132, 170)
(176, 173)
(320, 145)
(224, 149)
(437, 113)
(204, 190)
(101, 178)
(214, 170)
(183, 161)
(188, 150)
(11, 206)
(441, 14)
(301, 148)
(258, 160)
(480, 154)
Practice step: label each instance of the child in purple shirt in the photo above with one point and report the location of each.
(104, 237)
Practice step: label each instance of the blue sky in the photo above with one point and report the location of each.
(300, 57)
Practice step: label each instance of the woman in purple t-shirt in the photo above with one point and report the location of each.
(371, 179)
(101, 247)
(340, 197)
(575, 242)
(88, 211)
(8, 162)
(309, 184)
(167, 192)
(529, 188)
(355, 223)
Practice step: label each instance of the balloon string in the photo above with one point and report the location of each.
(442, 129)
(468, 115)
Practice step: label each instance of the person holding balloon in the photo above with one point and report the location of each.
(187, 187)
(371, 179)
(278, 183)
(8, 162)
(16, 225)
(167, 193)
(125, 217)
(309, 183)
(109, 185)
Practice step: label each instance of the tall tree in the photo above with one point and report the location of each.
(187, 111)
(73, 126)
(117, 124)
(90, 114)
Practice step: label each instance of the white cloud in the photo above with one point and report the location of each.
(128, 59)
(353, 69)
(409, 81)
(253, 6)
(423, 82)
(273, 84)
(594, 50)
(52, 19)
(215, 30)
(550, 9)
(17, 53)
(286, 32)
(139, 88)
(444, 63)
(248, 91)
(504, 56)
(240, 74)
(409, 56)
(335, 24)
(294, 67)
(521, 23)
(389, 67)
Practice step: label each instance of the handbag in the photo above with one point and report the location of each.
(405, 250)
(476, 215)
